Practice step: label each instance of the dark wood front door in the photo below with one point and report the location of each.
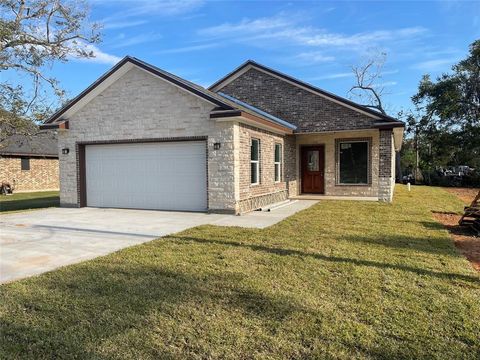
(313, 169)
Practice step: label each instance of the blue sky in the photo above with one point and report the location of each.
(314, 41)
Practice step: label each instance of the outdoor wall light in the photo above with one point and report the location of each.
(65, 151)
(216, 146)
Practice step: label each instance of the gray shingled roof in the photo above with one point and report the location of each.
(42, 144)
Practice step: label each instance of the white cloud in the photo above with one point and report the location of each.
(348, 75)
(246, 26)
(333, 76)
(188, 49)
(435, 65)
(385, 84)
(314, 57)
(135, 40)
(289, 29)
(100, 57)
(141, 8)
(123, 24)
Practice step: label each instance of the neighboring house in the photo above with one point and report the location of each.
(30, 162)
(140, 137)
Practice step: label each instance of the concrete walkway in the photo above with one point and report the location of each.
(34, 242)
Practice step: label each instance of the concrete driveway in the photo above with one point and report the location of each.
(38, 241)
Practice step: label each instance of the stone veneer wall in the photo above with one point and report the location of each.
(43, 173)
(142, 106)
(387, 166)
(251, 197)
(328, 140)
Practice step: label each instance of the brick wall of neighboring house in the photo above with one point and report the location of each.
(329, 141)
(141, 106)
(268, 191)
(43, 173)
(309, 111)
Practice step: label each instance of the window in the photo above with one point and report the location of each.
(353, 162)
(278, 162)
(25, 164)
(254, 161)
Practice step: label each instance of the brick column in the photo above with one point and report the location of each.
(386, 181)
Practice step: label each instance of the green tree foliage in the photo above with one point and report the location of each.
(35, 34)
(446, 123)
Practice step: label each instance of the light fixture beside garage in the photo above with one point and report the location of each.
(216, 146)
(65, 151)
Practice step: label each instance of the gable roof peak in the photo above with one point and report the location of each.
(302, 84)
(176, 80)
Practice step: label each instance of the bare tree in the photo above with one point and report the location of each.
(33, 35)
(368, 85)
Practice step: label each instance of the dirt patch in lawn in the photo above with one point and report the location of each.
(464, 238)
(465, 194)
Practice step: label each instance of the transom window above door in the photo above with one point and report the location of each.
(353, 162)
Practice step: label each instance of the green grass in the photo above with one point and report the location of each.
(340, 280)
(30, 200)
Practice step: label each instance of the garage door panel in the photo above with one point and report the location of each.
(147, 176)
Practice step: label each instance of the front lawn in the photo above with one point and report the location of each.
(339, 280)
(30, 200)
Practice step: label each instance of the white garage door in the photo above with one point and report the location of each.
(166, 176)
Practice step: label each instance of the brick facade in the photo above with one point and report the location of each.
(327, 121)
(267, 191)
(43, 174)
(140, 106)
(387, 166)
(308, 111)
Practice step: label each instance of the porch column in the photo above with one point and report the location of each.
(386, 181)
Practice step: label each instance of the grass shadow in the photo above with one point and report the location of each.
(25, 204)
(90, 307)
(336, 259)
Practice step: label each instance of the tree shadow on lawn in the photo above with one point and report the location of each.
(91, 303)
(436, 245)
(336, 259)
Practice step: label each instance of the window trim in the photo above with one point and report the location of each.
(367, 140)
(27, 167)
(279, 163)
(256, 162)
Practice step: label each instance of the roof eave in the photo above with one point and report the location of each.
(389, 125)
(150, 68)
(64, 125)
(251, 119)
(14, 153)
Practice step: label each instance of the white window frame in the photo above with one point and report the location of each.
(277, 163)
(255, 162)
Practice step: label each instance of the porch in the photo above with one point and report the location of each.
(343, 165)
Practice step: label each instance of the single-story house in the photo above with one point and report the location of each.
(30, 163)
(140, 137)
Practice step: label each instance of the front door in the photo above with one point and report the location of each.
(313, 169)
